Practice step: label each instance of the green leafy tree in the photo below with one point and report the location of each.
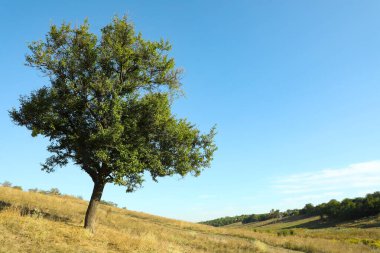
(107, 108)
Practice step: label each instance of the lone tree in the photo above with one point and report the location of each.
(107, 108)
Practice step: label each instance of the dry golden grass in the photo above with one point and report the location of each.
(345, 237)
(118, 230)
(121, 230)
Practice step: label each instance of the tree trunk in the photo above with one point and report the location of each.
(89, 222)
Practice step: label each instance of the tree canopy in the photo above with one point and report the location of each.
(108, 106)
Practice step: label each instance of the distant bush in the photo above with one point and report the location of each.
(17, 187)
(6, 184)
(33, 190)
(290, 212)
(54, 191)
(108, 203)
(285, 232)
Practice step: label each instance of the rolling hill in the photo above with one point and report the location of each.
(36, 222)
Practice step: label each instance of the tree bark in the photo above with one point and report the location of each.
(89, 222)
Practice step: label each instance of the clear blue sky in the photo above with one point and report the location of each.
(293, 87)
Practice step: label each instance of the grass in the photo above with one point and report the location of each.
(311, 234)
(120, 230)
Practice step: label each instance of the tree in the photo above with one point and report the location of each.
(107, 108)
(309, 209)
(332, 208)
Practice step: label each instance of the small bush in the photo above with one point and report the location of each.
(54, 191)
(6, 184)
(108, 203)
(285, 232)
(17, 187)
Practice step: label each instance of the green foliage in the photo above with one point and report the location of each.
(107, 107)
(273, 214)
(347, 209)
(256, 217)
(285, 232)
(243, 218)
(225, 220)
(108, 203)
(290, 212)
(54, 191)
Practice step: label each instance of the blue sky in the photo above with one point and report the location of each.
(293, 87)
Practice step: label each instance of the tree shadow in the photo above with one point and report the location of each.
(293, 218)
(371, 225)
(329, 223)
(316, 224)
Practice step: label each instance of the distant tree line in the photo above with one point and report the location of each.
(247, 218)
(262, 217)
(225, 220)
(347, 209)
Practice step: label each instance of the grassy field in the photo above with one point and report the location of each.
(311, 234)
(119, 230)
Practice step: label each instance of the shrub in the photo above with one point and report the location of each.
(6, 184)
(54, 191)
(285, 232)
(108, 203)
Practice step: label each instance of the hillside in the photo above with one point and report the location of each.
(35, 222)
(312, 234)
(54, 224)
